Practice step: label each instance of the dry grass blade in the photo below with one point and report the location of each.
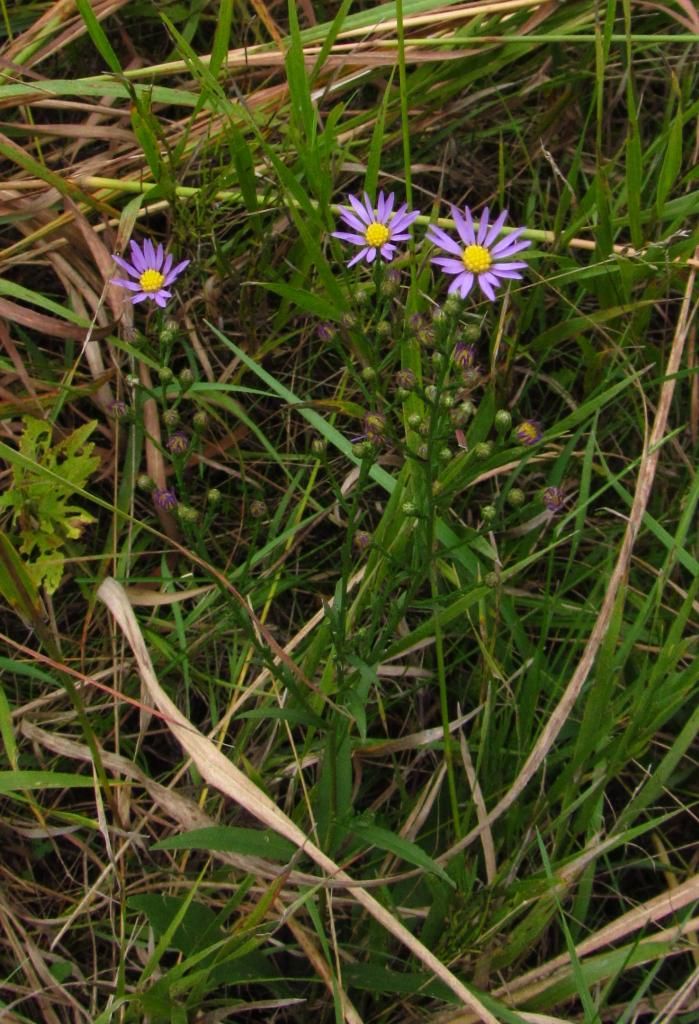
(218, 771)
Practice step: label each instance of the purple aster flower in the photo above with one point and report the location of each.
(528, 432)
(153, 271)
(375, 230)
(477, 257)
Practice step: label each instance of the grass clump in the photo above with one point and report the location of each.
(362, 681)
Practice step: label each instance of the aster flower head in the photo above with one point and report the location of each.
(153, 272)
(177, 443)
(553, 498)
(375, 229)
(164, 499)
(528, 432)
(477, 257)
(465, 355)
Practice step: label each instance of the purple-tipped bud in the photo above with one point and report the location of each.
(528, 432)
(553, 498)
(177, 443)
(465, 356)
(375, 427)
(164, 499)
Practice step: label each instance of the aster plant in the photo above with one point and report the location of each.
(375, 229)
(477, 257)
(152, 271)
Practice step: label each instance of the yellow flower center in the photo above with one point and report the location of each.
(377, 235)
(151, 280)
(476, 259)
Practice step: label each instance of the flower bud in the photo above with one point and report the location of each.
(446, 401)
(318, 445)
(165, 374)
(516, 497)
(431, 393)
(503, 421)
(553, 498)
(488, 513)
(213, 496)
(483, 450)
(445, 454)
(414, 420)
(405, 380)
(200, 420)
(169, 331)
(177, 443)
(471, 333)
(368, 374)
(361, 540)
(409, 508)
(384, 329)
(145, 483)
(528, 432)
(171, 418)
(258, 509)
(188, 514)
(186, 378)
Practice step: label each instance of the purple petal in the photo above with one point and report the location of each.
(371, 212)
(402, 220)
(485, 287)
(140, 297)
(512, 248)
(402, 236)
(509, 275)
(161, 298)
(381, 207)
(137, 257)
(175, 272)
(387, 251)
(495, 229)
(508, 240)
(462, 284)
(517, 265)
(442, 239)
(389, 206)
(347, 236)
(483, 226)
(354, 222)
(149, 254)
(159, 252)
(165, 270)
(371, 254)
(126, 266)
(449, 265)
(360, 256)
(133, 285)
(464, 225)
(360, 211)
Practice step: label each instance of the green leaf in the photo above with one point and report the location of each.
(13, 782)
(251, 842)
(98, 36)
(383, 839)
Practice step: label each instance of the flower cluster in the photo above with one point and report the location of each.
(477, 257)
